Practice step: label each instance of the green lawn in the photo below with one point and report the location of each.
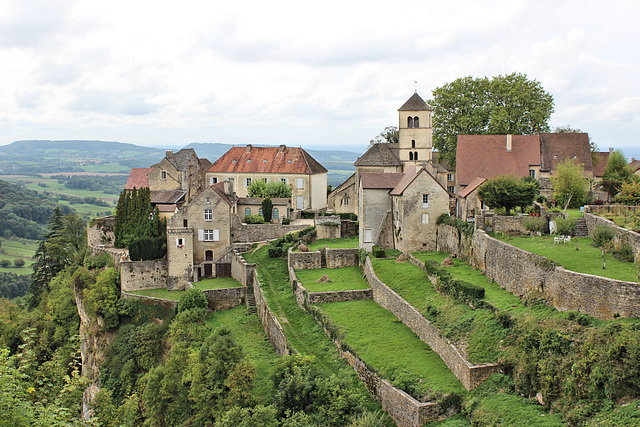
(346, 278)
(158, 293)
(351, 242)
(249, 333)
(390, 347)
(302, 330)
(18, 248)
(217, 283)
(587, 259)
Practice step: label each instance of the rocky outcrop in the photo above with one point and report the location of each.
(94, 341)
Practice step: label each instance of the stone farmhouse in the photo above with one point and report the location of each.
(294, 166)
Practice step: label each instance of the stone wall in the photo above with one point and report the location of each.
(509, 224)
(622, 236)
(101, 233)
(449, 240)
(339, 296)
(519, 272)
(470, 375)
(167, 303)
(136, 275)
(328, 230)
(304, 260)
(346, 257)
(241, 232)
(224, 299)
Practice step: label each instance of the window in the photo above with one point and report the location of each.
(208, 215)
(300, 183)
(180, 242)
(276, 214)
(213, 180)
(209, 235)
(260, 212)
(416, 122)
(425, 218)
(413, 143)
(368, 235)
(185, 223)
(450, 177)
(247, 182)
(409, 122)
(451, 190)
(285, 180)
(415, 155)
(300, 202)
(425, 200)
(532, 173)
(163, 175)
(247, 211)
(410, 155)
(345, 201)
(207, 200)
(266, 180)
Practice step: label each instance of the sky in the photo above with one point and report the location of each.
(329, 74)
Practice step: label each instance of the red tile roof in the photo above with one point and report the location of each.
(635, 165)
(218, 188)
(486, 156)
(557, 147)
(380, 180)
(477, 182)
(283, 160)
(138, 178)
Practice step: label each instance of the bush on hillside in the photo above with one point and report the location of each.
(602, 236)
(536, 225)
(566, 226)
(192, 298)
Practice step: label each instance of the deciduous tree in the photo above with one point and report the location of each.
(616, 172)
(569, 185)
(507, 191)
(510, 104)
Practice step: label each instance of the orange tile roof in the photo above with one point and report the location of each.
(557, 147)
(601, 162)
(138, 178)
(486, 156)
(283, 160)
(477, 182)
(380, 180)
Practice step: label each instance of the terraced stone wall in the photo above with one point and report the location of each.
(304, 260)
(622, 236)
(337, 258)
(224, 299)
(135, 275)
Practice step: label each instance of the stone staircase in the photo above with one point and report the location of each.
(251, 301)
(581, 228)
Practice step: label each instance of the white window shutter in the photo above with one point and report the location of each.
(300, 183)
(201, 235)
(216, 235)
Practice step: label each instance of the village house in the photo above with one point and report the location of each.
(294, 166)
(253, 206)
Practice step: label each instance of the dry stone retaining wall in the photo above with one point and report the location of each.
(470, 375)
(337, 258)
(622, 236)
(241, 232)
(135, 275)
(167, 303)
(304, 260)
(224, 299)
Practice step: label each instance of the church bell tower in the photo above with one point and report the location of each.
(414, 131)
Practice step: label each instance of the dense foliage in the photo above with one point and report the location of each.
(629, 193)
(569, 185)
(616, 172)
(13, 285)
(509, 104)
(137, 220)
(508, 192)
(107, 184)
(261, 188)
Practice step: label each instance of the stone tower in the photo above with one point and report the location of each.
(414, 131)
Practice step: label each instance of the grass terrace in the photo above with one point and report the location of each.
(158, 293)
(217, 283)
(586, 259)
(351, 242)
(342, 279)
(389, 346)
(249, 333)
(18, 248)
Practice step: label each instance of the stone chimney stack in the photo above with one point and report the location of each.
(249, 147)
(509, 137)
(169, 153)
(228, 186)
(282, 148)
(610, 150)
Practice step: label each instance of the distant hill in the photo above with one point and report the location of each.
(86, 149)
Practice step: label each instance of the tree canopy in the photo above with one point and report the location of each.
(261, 188)
(510, 104)
(390, 134)
(508, 192)
(616, 172)
(569, 185)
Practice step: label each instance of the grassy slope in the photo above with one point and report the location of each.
(217, 283)
(302, 331)
(351, 242)
(249, 333)
(346, 278)
(18, 248)
(385, 343)
(588, 259)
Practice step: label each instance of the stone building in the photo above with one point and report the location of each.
(253, 206)
(200, 232)
(344, 198)
(305, 176)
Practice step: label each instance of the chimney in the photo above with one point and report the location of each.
(610, 150)
(228, 186)
(509, 136)
(282, 147)
(249, 148)
(169, 153)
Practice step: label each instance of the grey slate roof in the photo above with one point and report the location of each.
(182, 158)
(166, 197)
(383, 154)
(415, 103)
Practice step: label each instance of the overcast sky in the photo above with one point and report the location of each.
(317, 74)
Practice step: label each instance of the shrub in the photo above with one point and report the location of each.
(623, 253)
(275, 252)
(97, 262)
(19, 262)
(254, 219)
(463, 227)
(535, 224)
(602, 236)
(148, 248)
(566, 226)
(192, 298)
(5, 263)
(378, 252)
(286, 221)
